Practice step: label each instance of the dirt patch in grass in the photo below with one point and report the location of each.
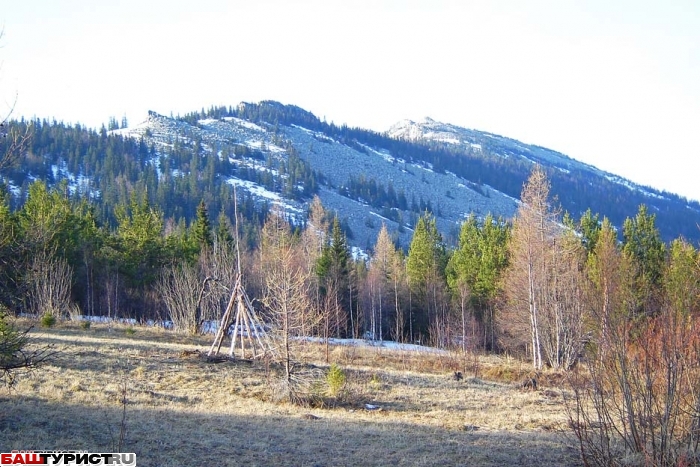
(203, 413)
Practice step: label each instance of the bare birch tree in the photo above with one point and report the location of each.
(563, 313)
(398, 282)
(313, 240)
(544, 283)
(605, 271)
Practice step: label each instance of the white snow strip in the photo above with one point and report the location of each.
(419, 166)
(379, 216)
(315, 134)
(274, 148)
(448, 140)
(388, 345)
(207, 121)
(305, 130)
(384, 155)
(254, 188)
(632, 186)
(244, 123)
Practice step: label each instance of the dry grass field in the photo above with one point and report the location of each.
(182, 411)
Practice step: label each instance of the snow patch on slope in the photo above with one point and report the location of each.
(633, 186)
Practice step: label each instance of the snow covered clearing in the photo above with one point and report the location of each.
(388, 345)
(262, 145)
(359, 254)
(211, 326)
(262, 192)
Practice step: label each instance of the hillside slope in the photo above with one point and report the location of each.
(282, 155)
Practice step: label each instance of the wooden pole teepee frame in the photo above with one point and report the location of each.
(245, 320)
(241, 314)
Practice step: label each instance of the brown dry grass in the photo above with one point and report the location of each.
(205, 414)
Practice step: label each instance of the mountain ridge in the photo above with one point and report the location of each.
(284, 155)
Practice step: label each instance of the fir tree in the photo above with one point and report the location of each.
(333, 271)
(643, 246)
(425, 267)
(223, 230)
(201, 228)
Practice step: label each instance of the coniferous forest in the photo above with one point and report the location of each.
(63, 253)
(148, 214)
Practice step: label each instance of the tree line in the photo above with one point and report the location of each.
(525, 286)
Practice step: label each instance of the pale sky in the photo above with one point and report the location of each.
(612, 83)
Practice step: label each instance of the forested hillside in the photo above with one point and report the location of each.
(277, 154)
(113, 215)
(484, 159)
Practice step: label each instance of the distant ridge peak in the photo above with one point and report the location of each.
(427, 128)
(154, 114)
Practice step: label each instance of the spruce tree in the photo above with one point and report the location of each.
(333, 272)
(223, 230)
(643, 246)
(425, 267)
(474, 269)
(139, 241)
(201, 228)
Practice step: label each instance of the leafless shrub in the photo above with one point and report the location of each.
(639, 403)
(14, 140)
(219, 265)
(179, 288)
(193, 294)
(49, 279)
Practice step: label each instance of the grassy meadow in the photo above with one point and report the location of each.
(154, 393)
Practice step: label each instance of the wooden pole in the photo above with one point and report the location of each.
(235, 333)
(222, 327)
